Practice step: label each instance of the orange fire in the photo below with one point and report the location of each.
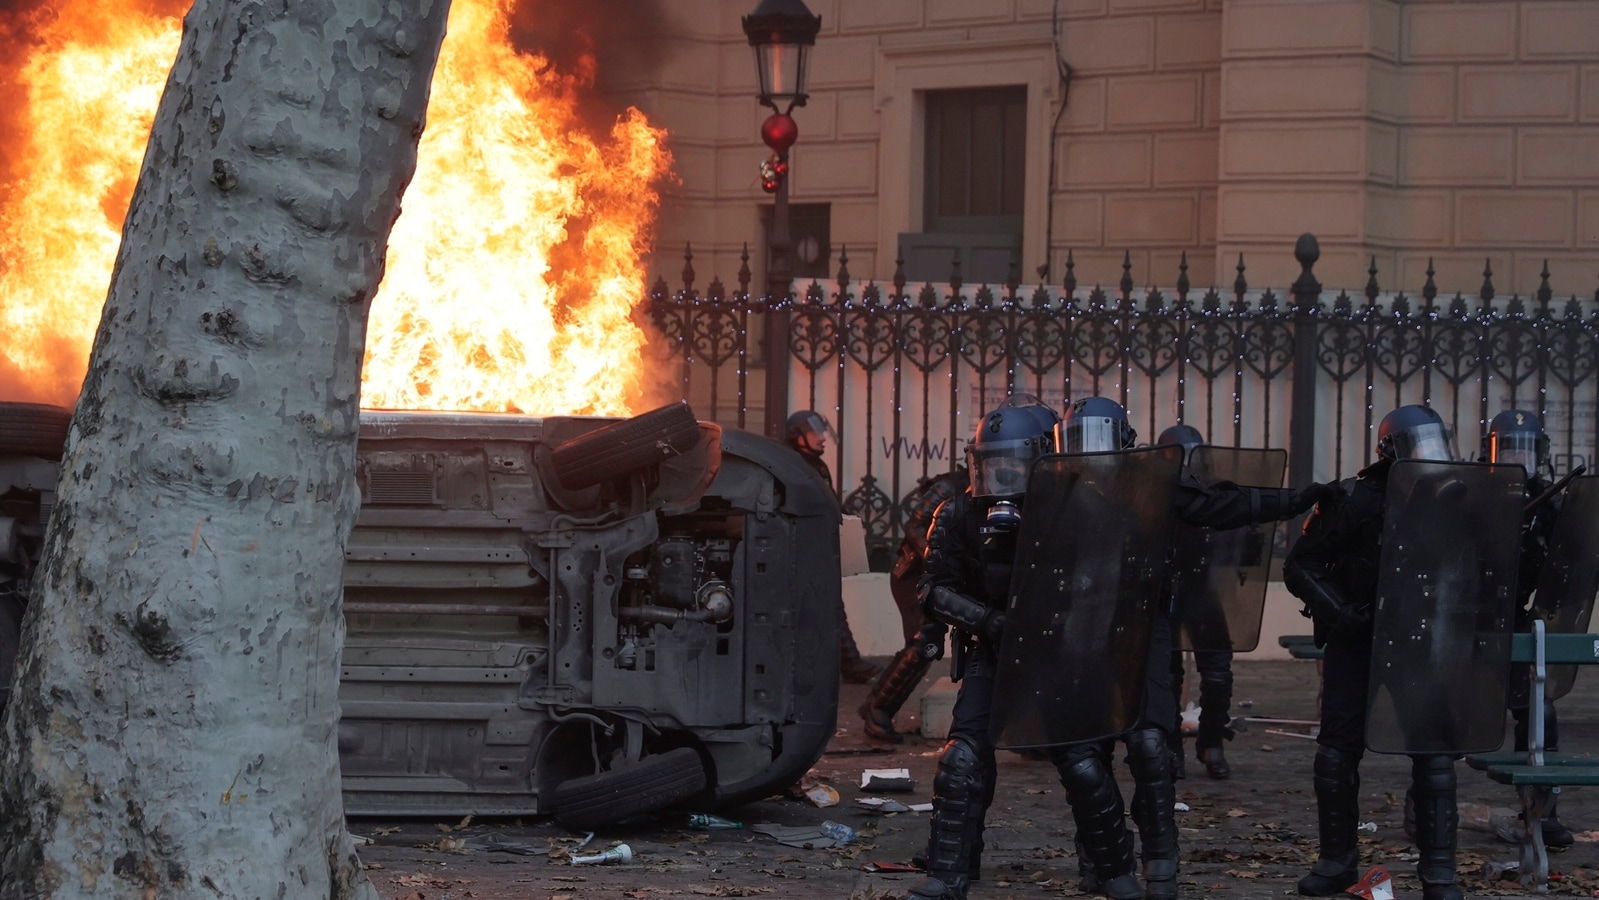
(512, 272)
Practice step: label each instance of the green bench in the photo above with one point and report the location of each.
(1536, 775)
(1300, 646)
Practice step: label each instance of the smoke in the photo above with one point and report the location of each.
(619, 46)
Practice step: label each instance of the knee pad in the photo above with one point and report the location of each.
(1433, 774)
(1149, 754)
(960, 768)
(1336, 766)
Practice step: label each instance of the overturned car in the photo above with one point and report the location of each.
(587, 617)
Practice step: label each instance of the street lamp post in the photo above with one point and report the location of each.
(782, 33)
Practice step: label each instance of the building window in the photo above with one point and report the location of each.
(975, 154)
(973, 194)
(810, 254)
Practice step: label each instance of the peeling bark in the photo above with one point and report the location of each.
(172, 730)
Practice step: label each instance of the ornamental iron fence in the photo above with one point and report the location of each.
(903, 371)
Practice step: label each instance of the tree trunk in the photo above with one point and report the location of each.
(173, 730)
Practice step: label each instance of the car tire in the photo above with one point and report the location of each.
(34, 429)
(605, 798)
(621, 447)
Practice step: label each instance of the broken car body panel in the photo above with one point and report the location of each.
(508, 635)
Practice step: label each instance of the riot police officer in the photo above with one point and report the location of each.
(1333, 569)
(1098, 424)
(924, 639)
(807, 433)
(1215, 667)
(1516, 437)
(970, 549)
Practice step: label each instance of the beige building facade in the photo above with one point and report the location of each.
(1456, 132)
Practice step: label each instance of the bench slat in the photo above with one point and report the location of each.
(1559, 649)
(1545, 776)
(1508, 758)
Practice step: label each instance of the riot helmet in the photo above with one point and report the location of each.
(1414, 432)
(1003, 448)
(1516, 437)
(808, 432)
(1184, 436)
(1095, 424)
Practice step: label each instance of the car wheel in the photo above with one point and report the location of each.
(605, 798)
(34, 429)
(622, 447)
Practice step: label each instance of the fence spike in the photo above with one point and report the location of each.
(1306, 289)
(688, 268)
(744, 273)
(955, 280)
(1240, 286)
(1182, 279)
(843, 267)
(1544, 293)
(899, 275)
(1013, 278)
(1371, 283)
(1429, 291)
(1070, 284)
(1487, 292)
(1126, 284)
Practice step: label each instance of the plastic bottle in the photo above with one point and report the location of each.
(840, 833)
(707, 822)
(621, 853)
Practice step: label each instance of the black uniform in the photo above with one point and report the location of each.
(1334, 568)
(972, 565)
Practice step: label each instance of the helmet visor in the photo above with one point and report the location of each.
(1090, 434)
(1000, 470)
(1516, 448)
(1429, 441)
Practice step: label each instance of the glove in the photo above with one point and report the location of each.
(993, 628)
(1312, 494)
(1351, 621)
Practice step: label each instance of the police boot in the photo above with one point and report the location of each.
(1154, 810)
(851, 667)
(1178, 773)
(957, 816)
(1101, 827)
(1437, 820)
(1556, 835)
(1215, 700)
(1337, 781)
(890, 692)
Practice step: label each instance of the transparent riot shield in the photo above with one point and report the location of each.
(1091, 565)
(1219, 577)
(1440, 659)
(1569, 578)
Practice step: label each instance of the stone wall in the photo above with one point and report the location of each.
(1456, 131)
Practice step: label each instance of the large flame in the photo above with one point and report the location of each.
(512, 273)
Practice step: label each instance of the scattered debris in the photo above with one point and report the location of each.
(708, 822)
(891, 780)
(621, 853)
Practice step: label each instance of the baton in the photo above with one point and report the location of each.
(1554, 489)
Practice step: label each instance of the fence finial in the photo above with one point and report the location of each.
(843, 267)
(1429, 290)
(688, 268)
(1182, 279)
(1306, 289)
(744, 271)
(1371, 283)
(1126, 284)
(1487, 291)
(899, 275)
(1070, 283)
(1544, 293)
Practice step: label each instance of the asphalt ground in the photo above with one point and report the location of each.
(1251, 836)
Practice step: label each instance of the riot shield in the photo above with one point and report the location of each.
(1570, 575)
(1440, 659)
(1219, 577)
(1091, 564)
